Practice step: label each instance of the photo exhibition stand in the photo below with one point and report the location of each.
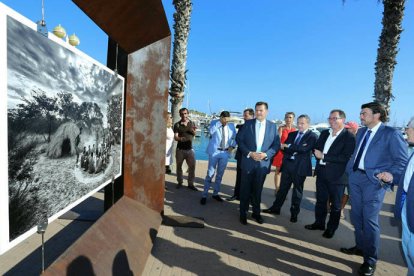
(121, 240)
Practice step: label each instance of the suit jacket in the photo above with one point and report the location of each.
(337, 156)
(387, 152)
(238, 152)
(407, 197)
(246, 139)
(302, 152)
(216, 134)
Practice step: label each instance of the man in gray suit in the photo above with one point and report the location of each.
(258, 143)
(375, 166)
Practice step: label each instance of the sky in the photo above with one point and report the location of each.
(64, 70)
(308, 57)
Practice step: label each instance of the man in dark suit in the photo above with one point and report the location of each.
(258, 142)
(296, 165)
(248, 114)
(377, 163)
(404, 203)
(333, 150)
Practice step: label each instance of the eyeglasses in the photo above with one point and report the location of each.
(334, 118)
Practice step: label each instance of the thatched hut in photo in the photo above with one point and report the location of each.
(63, 142)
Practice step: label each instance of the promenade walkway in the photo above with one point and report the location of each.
(277, 247)
(224, 246)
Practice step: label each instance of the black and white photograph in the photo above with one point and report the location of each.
(64, 125)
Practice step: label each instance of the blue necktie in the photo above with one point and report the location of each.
(361, 150)
(259, 147)
(297, 141)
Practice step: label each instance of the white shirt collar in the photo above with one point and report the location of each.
(339, 132)
(375, 128)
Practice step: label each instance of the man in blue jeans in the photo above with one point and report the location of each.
(222, 142)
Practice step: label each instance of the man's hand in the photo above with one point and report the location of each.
(318, 154)
(258, 156)
(385, 176)
(283, 146)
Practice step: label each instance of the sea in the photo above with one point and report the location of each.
(200, 146)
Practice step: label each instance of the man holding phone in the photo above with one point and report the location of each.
(221, 144)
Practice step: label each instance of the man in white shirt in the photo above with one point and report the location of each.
(377, 163)
(258, 142)
(222, 142)
(333, 151)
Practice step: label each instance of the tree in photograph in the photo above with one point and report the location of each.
(68, 108)
(39, 113)
(91, 114)
(178, 67)
(387, 50)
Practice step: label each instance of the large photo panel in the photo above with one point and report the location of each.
(63, 115)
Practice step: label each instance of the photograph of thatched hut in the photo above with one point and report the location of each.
(64, 124)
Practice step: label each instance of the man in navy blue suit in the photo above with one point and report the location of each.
(258, 142)
(333, 150)
(296, 166)
(377, 163)
(404, 203)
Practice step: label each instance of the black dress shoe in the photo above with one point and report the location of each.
(315, 226)
(258, 218)
(328, 234)
(366, 269)
(271, 211)
(243, 220)
(203, 201)
(217, 197)
(352, 251)
(294, 219)
(233, 198)
(192, 187)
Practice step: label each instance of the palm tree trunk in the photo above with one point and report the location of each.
(387, 50)
(178, 67)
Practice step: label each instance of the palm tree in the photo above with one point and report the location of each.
(387, 50)
(178, 67)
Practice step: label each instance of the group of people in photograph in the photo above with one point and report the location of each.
(95, 159)
(351, 162)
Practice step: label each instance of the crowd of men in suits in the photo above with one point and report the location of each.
(370, 163)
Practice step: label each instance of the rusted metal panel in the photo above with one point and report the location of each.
(117, 244)
(145, 124)
(132, 23)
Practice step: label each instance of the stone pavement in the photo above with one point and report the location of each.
(277, 247)
(224, 246)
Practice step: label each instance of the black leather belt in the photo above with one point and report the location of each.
(222, 149)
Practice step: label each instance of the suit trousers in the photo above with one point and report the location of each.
(328, 191)
(407, 241)
(188, 156)
(289, 176)
(217, 164)
(366, 202)
(238, 180)
(251, 189)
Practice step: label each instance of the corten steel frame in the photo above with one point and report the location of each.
(122, 238)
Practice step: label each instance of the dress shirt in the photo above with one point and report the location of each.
(260, 133)
(373, 132)
(408, 173)
(328, 143)
(226, 135)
